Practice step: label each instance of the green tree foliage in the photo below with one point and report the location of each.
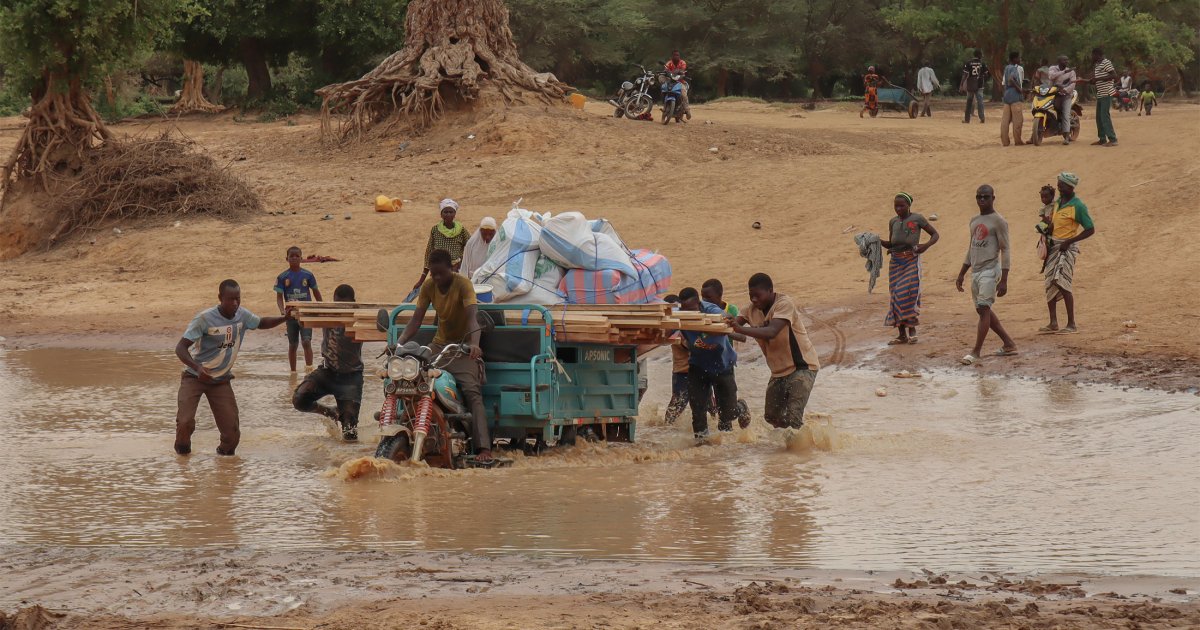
(78, 40)
(337, 38)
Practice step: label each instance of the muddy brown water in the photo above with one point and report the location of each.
(947, 471)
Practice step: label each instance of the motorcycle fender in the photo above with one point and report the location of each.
(391, 429)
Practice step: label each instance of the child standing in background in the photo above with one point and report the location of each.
(296, 284)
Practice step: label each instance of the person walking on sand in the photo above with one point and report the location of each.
(1069, 223)
(988, 260)
(1014, 100)
(1063, 77)
(340, 376)
(871, 83)
(297, 284)
(1146, 100)
(1104, 79)
(208, 349)
(904, 272)
(475, 252)
(927, 83)
(449, 236)
(773, 320)
(974, 79)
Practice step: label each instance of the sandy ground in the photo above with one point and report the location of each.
(812, 178)
(119, 589)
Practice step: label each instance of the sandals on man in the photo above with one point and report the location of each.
(969, 359)
(898, 341)
(1005, 352)
(1069, 330)
(1048, 330)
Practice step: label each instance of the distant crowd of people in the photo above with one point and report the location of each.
(975, 77)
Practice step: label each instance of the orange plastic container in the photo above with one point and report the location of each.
(577, 101)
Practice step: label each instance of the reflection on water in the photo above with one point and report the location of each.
(946, 471)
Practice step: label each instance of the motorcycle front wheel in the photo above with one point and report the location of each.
(668, 112)
(1038, 125)
(638, 106)
(395, 447)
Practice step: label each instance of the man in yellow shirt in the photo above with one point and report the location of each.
(1069, 224)
(453, 299)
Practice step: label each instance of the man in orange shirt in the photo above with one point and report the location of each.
(677, 64)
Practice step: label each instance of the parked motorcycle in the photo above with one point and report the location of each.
(633, 99)
(1045, 116)
(672, 88)
(1127, 100)
(424, 416)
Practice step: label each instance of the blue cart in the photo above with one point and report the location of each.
(539, 388)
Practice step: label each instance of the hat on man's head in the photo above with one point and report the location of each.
(448, 203)
(1070, 179)
(488, 223)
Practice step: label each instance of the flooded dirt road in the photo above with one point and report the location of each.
(946, 471)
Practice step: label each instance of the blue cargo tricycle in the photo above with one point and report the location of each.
(536, 390)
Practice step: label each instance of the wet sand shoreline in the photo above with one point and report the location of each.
(169, 588)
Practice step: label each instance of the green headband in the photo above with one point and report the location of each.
(907, 197)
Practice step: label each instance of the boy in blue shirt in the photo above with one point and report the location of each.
(297, 285)
(711, 361)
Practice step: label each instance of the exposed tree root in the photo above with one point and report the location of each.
(191, 96)
(455, 52)
(62, 127)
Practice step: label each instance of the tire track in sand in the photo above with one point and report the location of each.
(839, 339)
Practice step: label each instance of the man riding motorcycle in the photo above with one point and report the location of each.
(1063, 77)
(453, 299)
(678, 66)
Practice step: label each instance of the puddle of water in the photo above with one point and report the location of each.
(947, 472)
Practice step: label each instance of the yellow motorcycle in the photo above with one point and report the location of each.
(1045, 116)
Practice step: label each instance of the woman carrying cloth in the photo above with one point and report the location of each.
(904, 272)
(871, 82)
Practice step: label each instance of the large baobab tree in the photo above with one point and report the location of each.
(456, 53)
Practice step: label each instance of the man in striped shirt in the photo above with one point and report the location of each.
(1103, 77)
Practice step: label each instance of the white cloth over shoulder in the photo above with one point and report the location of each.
(475, 253)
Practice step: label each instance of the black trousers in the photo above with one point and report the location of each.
(346, 389)
(724, 386)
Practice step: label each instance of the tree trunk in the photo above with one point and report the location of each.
(191, 97)
(456, 52)
(218, 85)
(257, 72)
(722, 82)
(62, 127)
(110, 97)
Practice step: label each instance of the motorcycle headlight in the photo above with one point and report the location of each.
(627, 86)
(403, 368)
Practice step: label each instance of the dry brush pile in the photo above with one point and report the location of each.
(145, 179)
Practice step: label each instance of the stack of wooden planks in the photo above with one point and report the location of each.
(617, 324)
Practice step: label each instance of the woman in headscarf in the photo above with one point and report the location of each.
(449, 235)
(904, 272)
(476, 251)
(871, 83)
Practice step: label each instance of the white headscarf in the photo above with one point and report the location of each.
(475, 253)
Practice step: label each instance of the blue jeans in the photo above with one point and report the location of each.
(977, 99)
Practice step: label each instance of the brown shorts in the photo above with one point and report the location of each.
(787, 396)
